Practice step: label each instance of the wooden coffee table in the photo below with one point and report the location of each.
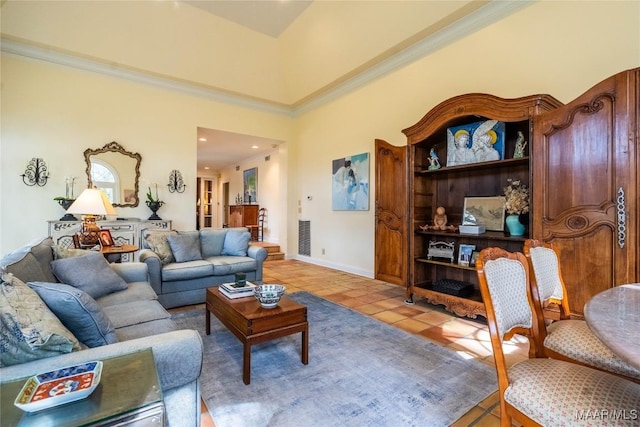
(252, 324)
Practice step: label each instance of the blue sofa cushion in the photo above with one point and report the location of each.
(186, 270)
(185, 246)
(212, 241)
(31, 262)
(223, 265)
(91, 273)
(236, 243)
(30, 331)
(78, 312)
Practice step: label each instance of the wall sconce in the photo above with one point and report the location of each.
(176, 184)
(35, 173)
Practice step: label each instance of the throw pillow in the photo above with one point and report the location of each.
(157, 242)
(236, 243)
(91, 273)
(30, 331)
(185, 247)
(80, 313)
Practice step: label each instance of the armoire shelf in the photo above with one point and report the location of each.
(449, 185)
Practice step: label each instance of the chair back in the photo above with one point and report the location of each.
(504, 285)
(546, 278)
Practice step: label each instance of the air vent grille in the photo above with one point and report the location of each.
(304, 238)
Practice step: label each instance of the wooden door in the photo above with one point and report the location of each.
(585, 198)
(391, 247)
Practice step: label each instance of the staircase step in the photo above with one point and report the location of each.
(274, 256)
(273, 250)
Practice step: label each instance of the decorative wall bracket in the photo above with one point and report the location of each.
(36, 173)
(176, 184)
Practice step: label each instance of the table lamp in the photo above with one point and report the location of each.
(90, 203)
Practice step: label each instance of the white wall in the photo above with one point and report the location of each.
(57, 112)
(269, 188)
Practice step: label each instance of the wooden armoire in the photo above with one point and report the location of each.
(581, 165)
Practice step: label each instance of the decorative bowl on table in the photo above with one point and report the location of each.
(269, 295)
(60, 386)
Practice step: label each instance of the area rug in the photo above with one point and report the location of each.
(361, 372)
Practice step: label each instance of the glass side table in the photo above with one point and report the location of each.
(129, 394)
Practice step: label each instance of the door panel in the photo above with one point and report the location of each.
(582, 161)
(391, 213)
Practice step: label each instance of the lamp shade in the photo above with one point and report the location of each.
(92, 202)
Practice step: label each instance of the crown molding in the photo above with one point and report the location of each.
(486, 15)
(47, 54)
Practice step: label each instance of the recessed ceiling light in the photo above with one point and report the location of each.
(206, 168)
(202, 139)
(254, 146)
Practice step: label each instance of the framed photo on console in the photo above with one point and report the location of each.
(105, 238)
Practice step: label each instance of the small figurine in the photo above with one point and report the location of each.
(520, 144)
(439, 222)
(434, 160)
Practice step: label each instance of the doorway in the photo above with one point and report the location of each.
(225, 204)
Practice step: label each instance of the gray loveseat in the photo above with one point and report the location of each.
(136, 321)
(183, 264)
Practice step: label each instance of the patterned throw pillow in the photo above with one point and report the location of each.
(157, 241)
(30, 331)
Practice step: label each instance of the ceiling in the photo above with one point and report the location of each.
(222, 149)
(270, 17)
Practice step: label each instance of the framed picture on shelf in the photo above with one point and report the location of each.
(487, 211)
(464, 254)
(475, 143)
(474, 258)
(105, 238)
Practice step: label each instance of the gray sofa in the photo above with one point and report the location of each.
(134, 312)
(183, 264)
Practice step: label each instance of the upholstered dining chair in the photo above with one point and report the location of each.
(566, 339)
(541, 391)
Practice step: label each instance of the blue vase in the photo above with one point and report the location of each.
(514, 225)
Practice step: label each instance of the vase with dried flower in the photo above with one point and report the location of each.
(154, 203)
(517, 203)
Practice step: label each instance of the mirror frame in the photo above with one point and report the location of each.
(115, 147)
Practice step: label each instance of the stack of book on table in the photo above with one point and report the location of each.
(231, 290)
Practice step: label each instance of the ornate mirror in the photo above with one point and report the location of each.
(116, 171)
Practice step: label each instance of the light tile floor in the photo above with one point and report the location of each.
(385, 302)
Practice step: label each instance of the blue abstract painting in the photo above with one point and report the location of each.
(350, 177)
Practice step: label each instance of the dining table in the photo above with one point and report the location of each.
(613, 315)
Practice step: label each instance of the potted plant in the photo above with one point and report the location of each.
(66, 200)
(517, 202)
(154, 203)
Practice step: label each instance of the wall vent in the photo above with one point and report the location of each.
(267, 158)
(237, 168)
(304, 238)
